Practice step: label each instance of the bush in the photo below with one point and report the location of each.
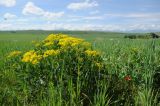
(58, 59)
(141, 36)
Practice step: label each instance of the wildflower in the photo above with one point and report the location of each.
(48, 43)
(36, 59)
(31, 57)
(27, 56)
(53, 37)
(92, 53)
(14, 53)
(70, 41)
(127, 78)
(51, 52)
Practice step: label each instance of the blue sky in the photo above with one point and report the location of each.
(103, 15)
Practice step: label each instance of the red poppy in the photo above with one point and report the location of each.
(127, 78)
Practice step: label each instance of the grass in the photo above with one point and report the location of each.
(138, 58)
(21, 40)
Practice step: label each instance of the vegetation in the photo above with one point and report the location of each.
(142, 36)
(67, 70)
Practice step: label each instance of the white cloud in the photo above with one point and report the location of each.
(83, 26)
(51, 15)
(94, 12)
(135, 15)
(82, 5)
(5, 26)
(82, 18)
(31, 9)
(144, 15)
(8, 3)
(9, 16)
(93, 18)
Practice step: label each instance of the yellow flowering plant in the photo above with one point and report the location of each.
(59, 58)
(51, 53)
(31, 57)
(14, 54)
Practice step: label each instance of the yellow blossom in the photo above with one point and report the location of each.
(31, 57)
(92, 53)
(48, 43)
(70, 41)
(53, 37)
(14, 53)
(51, 52)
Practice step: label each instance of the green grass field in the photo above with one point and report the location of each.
(138, 58)
(22, 40)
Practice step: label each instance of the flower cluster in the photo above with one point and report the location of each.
(31, 57)
(14, 53)
(50, 53)
(70, 41)
(64, 41)
(53, 38)
(57, 44)
(92, 53)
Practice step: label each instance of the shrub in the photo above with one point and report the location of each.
(58, 59)
(141, 36)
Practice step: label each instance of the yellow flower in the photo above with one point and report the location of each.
(36, 59)
(31, 57)
(27, 56)
(92, 53)
(51, 53)
(48, 43)
(64, 41)
(70, 41)
(14, 53)
(53, 37)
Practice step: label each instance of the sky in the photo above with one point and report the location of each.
(97, 15)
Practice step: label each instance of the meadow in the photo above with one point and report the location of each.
(128, 75)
